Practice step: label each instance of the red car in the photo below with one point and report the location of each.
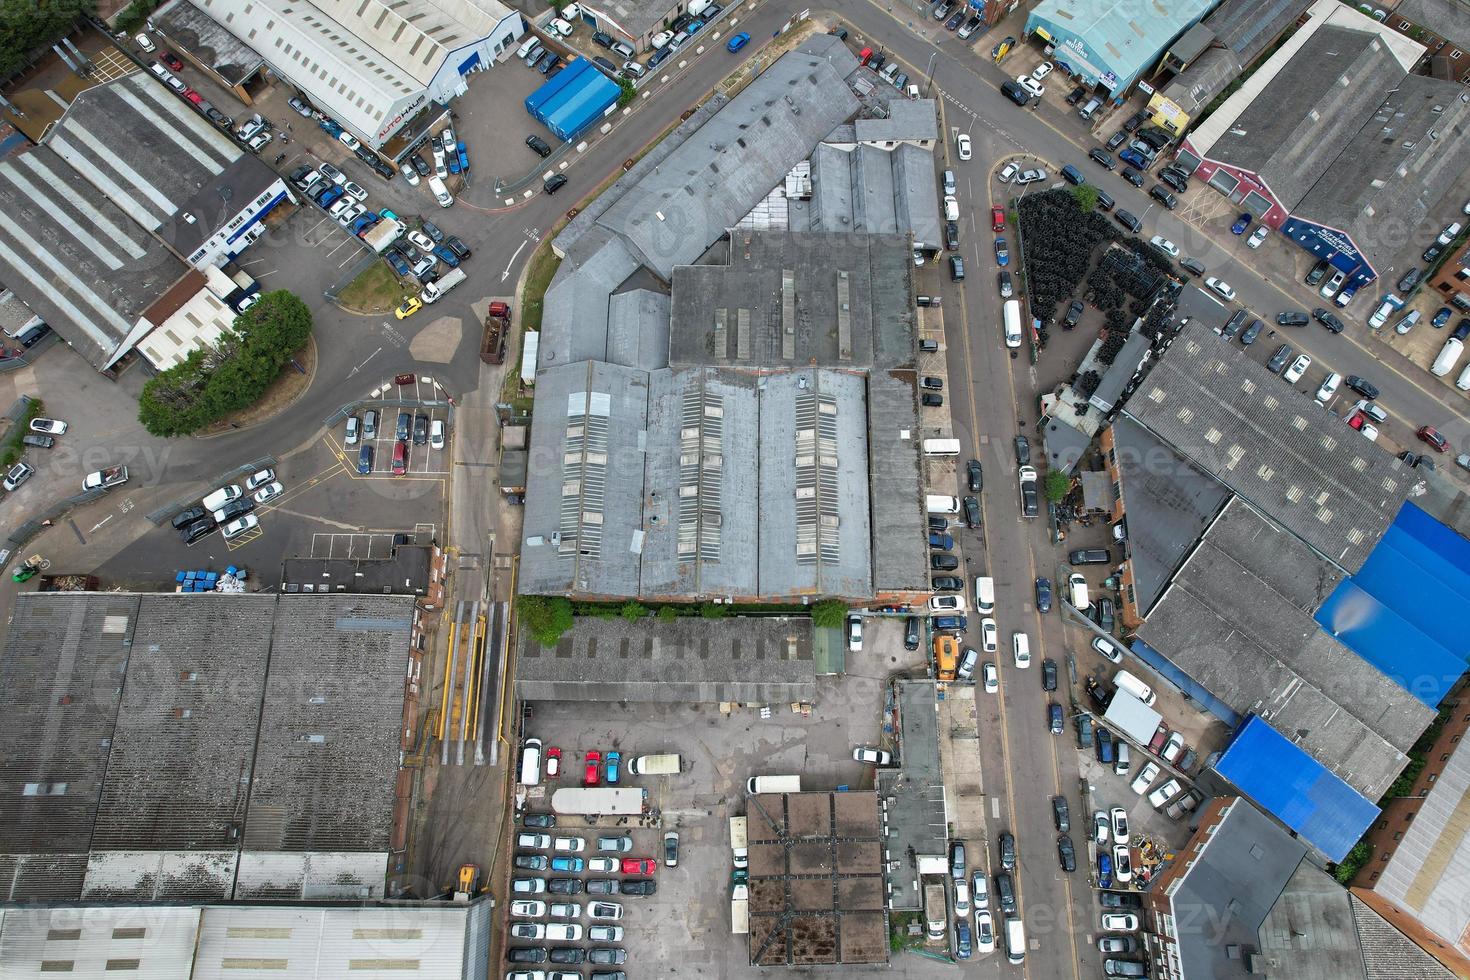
(997, 219)
(1356, 422)
(593, 775)
(1161, 735)
(172, 60)
(1431, 435)
(193, 96)
(553, 763)
(639, 866)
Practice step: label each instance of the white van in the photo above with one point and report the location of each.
(441, 193)
(531, 762)
(941, 447)
(220, 497)
(1015, 940)
(1449, 355)
(935, 504)
(984, 595)
(654, 765)
(1463, 381)
(526, 47)
(1077, 585)
(1134, 686)
(698, 7)
(756, 785)
(1012, 312)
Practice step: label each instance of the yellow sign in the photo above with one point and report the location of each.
(1041, 33)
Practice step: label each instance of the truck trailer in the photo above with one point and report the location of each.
(598, 801)
(739, 841)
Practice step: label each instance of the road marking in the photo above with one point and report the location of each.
(506, 274)
(369, 358)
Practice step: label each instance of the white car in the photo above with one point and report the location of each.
(258, 142)
(1257, 237)
(1041, 71)
(1119, 818)
(871, 757)
(1164, 794)
(1120, 922)
(605, 911)
(1220, 287)
(961, 897)
(1145, 776)
(947, 603)
(569, 845)
(951, 208)
(527, 886)
(527, 930)
(854, 634)
(962, 143)
(1164, 245)
(602, 866)
(348, 140)
(421, 241)
(1380, 316)
(1298, 368)
(143, 42)
(1173, 748)
(409, 174)
(260, 479)
(436, 434)
(1006, 173)
(1107, 649)
(1372, 410)
(536, 842)
(269, 492)
(561, 27)
(1369, 431)
(660, 39)
(351, 213)
(991, 676)
(1327, 389)
(968, 660)
(239, 526)
(1122, 864)
(603, 934)
(54, 427)
(566, 910)
(355, 191)
(1100, 828)
(527, 909)
(1031, 85)
(984, 932)
(341, 206)
(989, 635)
(1021, 648)
(566, 932)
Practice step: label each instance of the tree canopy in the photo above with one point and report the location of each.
(26, 25)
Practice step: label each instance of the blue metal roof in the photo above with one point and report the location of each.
(1113, 41)
(1295, 789)
(1407, 610)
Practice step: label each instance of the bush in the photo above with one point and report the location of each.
(1345, 870)
(830, 613)
(667, 614)
(216, 381)
(1057, 486)
(633, 611)
(135, 15)
(628, 93)
(1086, 196)
(26, 26)
(546, 618)
(14, 448)
(713, 610)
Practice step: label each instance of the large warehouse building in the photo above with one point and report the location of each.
(374, 66)
(1111, 43)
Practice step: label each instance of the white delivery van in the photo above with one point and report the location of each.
(941, 447)
(935, 504)
(654, 765)
(985, 595)
(526, 47)
(220, 497)
(1015, 940)
(1463, 381)
(531, 762)
(773, 784)
(1012, 312)
(698, 7)
(1134, 686)
(435, 290)
(1449, 355)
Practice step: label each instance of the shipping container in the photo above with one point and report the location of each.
(586, 72)
(598, 801)
(580, 112)
(550, 89)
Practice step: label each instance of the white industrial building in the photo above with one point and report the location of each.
(373, 65)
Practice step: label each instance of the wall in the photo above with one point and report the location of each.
(1453, 276)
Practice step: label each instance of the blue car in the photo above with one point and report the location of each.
(962, 948)
(1104, 871)
(330, 197)
(1441, 318)
(1241, 224)
(464, 156)
(451, 160)
(365, 460)
(689, 31)
(446, 255)
(364, 222)
(1043, 595)
(573, 864)
(614, 764)
(737, 42)
(940, 540)
(1002, 253)
(950, 623)
(1133, 158)
(396, 261)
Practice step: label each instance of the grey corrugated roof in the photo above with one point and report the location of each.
(1249, 27)
(908, 119)
(1120, 372)
(1259, 652)
(916, 195)
(1387, 953)
(207, 40)
(688, 660)
(1209, 75)
(1065, 445)
(1297, 125)
(574, 318)
(638, 329)
(1168, 502)
(1272, 445)
(1402, 162)
(709, 181)
(1228, 890)
(1192, 43)
(864, 188)
(900, 553)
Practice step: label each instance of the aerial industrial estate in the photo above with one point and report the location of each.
(649, 489)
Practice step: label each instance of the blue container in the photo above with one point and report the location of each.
(574, 70)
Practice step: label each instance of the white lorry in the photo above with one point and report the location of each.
(739, 841)
(434, 291)
(381, 235)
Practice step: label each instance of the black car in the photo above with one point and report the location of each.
(1076, 95)
(938, 522)
(1432, 252)
(1043, 595)
(219, 118)
(956, 269)
(607, 956)
(299, 175)
(531, 862)
(547, 62)
(974, 476)
(911, 633)
(1159, 193)
(1023, 451)
(1015, 93)
(564, 886)
(433, 231)
(643, 887)
(420, 165)
(1007, 851)
(1280, 358)
(567, 954)
(1104, 612)
(955, 20)
(1134, 121)
(1104, 201)
(1172, 178)
(39, 441)
(602, 886)
(931, 400)
(1117, 140)
(605, 65)
(1128, 220)
(189, 517)
(1133, 177)
(1251, 333)
(1362, 386)
(1292, 318)
(541, 820)
(554, 183)
(1119, 900)
(1409, 281)
(420, 429)
(1074, 313)
(526, 954)
(1048, 674)
(460, 249)
(1059, 814)
(1005, 893)
(1066, 853)
(1328, 320)
(1103, 157)
(931, 382)
(1088, 556)
(952, 235)
(944, 562)
(972, 512)
(1192, 266)
(1318, 273)
(947, 583)
(538, 144)
(235, 508)
(200, 528)
(1104, 745)
(602, 40)
(1073, 176)
(1233, 325)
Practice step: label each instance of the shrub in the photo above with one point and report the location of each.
(628, 93)
(667, 614)
(633, 611)
(546, 618)
(1057, 486)
(829, 613)
(713, 610)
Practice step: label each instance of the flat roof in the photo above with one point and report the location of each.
(1271, 445)
(405, 572)
(688, 660)
(816, 879)
(139, 795)
(899, 524)
(916, 814)
(206, 41)
(905, 119)
(1126, 37)
(1118, 374)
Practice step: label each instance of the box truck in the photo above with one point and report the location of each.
(936, 916)
(654, 765)
(773, 784)
(739, 841)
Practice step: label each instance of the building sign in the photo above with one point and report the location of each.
(1145, 87)
(396, 121)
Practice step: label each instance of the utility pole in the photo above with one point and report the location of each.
(929, 82)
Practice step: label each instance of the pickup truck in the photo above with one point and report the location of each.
(103, 479)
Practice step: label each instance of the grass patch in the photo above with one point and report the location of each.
(544, 264)
(376, 290)
(14, 447)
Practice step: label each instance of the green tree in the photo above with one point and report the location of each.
(667, 614)
(28, 26)
(1345, 870)
(628, 94)
(829, 613)
(713, 610)
(546, 618)
(1086, 196)
(633, 611)
(135, 15)
(1057, 485)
